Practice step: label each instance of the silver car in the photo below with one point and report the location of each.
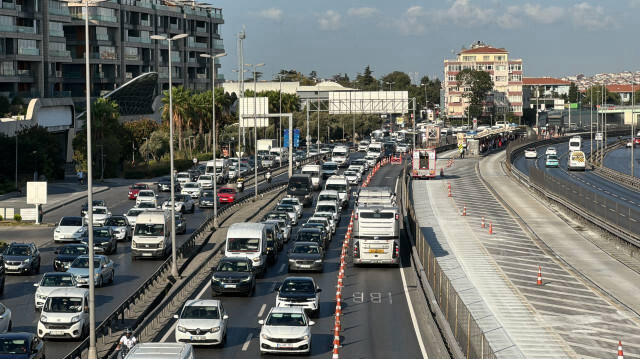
(102, 268)
(121, 227)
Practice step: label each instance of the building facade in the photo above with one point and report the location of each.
(506, 75)
(42, 46)
(544, 93)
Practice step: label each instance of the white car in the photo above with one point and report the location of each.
(5, 319)
(352, 176)
(330, 217)
(402, 147)
(202, 322)
(146, 195)
(65, 314)
(356, 167)
(530, 153)
(183, 177)
(206, 181)
(361, 162)
(132, 215)
(69, 229)
(184, 203)
(551, 151)
(100, 214)
(121, 227)
(285, 330)
(192, 189)
(371, 160)
(362, 146)
(295, 202)
(50, 282)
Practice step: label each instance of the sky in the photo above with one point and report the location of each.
(554, 38)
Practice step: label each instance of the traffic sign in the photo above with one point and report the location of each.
(296, 138)
(599, 136)
(36, 192)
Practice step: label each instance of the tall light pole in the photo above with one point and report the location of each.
(213, 133)
(390, 83)
(591, 120)
(255, 130)
(93, 354)
(241, 95)
(633, 119)
(318, 110)
(280, 121)
(174, 257)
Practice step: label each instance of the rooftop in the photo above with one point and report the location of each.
(484, 50)
(543, 81)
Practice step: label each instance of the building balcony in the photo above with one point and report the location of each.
(59, 11)
(59, 94)
(140, 40)
(59, 53)
(29, 94)
(103, 76)
(7, 72)
(198, 12)
(73, 75)
(219, 78)
(133, 57)
(104, 56)
(95, 17)
(103, 37)
(167, 8)
(56, 33)
(200, 45)
(11, 6)
(27, 51)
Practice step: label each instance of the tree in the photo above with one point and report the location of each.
(342, 79)
(479, 83)
(140, 129)
(366, 81)
(610, 97)
(398, 79)
(156, 146)
(573, 93)
(182, 114)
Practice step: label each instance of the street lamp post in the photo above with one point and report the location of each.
(255, 129)
(93, 354)
(213, 133)
(633, 119)
(390, 83)
(241, 91)
(318, 110)
(174, 257)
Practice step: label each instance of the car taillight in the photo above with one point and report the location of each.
(356, 250)
(397, 216)
(356, 216)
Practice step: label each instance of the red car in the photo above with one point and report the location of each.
(135, 188)
(636, 141)
(226, 195)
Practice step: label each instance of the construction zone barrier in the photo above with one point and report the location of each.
(396, 160)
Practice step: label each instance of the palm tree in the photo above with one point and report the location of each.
(181, 109)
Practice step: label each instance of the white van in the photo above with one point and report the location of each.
(316, 175)
(576, 161)
(248, 240)
(575, 143)
(222, 169)
(340, 156)
(151, 235)
(329, 195)
(65, 314)
(375, 149)
(340, 184)
(161, 351)
(329, 206)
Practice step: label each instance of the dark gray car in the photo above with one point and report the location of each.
(306, 256)
(233, 275)
(104, 240)
(21, 258)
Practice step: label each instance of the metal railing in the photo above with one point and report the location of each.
(464, 337)
(117, 319)
(615, 176)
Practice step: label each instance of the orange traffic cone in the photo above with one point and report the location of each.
(464, 210)
(449, 184)
(336, 337)
(490, 227)
(539, 281)
(335, 352)
(620, 355)
(449, 191)
(482, 225)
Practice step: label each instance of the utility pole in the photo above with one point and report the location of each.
(633, 119)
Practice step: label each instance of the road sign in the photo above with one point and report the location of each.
(36, 192)
(195, 161)
(599, 136)
(475, 123)
(296, 138)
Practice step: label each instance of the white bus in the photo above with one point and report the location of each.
(376, 235)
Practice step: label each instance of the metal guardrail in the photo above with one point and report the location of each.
(595, 209)
(622, 179)
(115, 321)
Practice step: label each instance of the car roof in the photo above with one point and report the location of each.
(95, 256)
(309, 229)
(235, 259)
(295, 310)
(57, 274)
(74, 245)
(202, 302)
(158, 350)
(17, 335)
(305, 243)
(15, 244)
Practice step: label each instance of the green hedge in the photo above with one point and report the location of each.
(158, 169)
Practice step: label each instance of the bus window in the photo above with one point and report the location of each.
(424, 160)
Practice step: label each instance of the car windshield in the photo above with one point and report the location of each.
(71, 221)
(324, 215)
(286, 320)
(18, 251)
(243, 244)
(145, 194)
(83, 262)
(134, 212)
(277, 216)
(99, 211)
(307, 236)
(552, 157)
(306, 249)
(115, 222)
(286, 208)
(225, 190)
(183, 175)
(329, 166)
(145, 229)
(190, 185)
(311, 173)
(204, 178)
(13, 346)
(358, 162)
(57, 281)
(101, 232)
(298, 185)
(290, 201)
(200, 312)
(336, 187)
(327, 197)
(63, 305)
(325, 208)
(74, 250)
(139, 186)
(207, 195)
(297, 286)
(350, 173)
(146, 205)
(552, 148)
(233, 266)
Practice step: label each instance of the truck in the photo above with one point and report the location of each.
(376, 235)
(152, 235)
(576, 161)
(264, 146)
(424, 163)
(222, 169)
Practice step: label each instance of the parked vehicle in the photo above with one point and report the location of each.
(424, 163)
(133, 214)
(363, 146)
(283, 219)
(290, 210)
(576, 161)
(315, 172)
(274, 232)
(285, 329)
(233, 275)
(22, 258)
(69, 229)
(530, 153)
(96, 202)
(313, 232)
(295, 202)
(575, 143)
(207, 199)
(340, 155)
(205, 181)
(183, 204)
(227, 195)
(147, 195)
(376, 235)
(100, 214)
(329, 169)
(184, 177)
(69, 306)
(181, 224)
(67, 254)
(341, 185)
(551, 151)
(375, 149)
(164, 185)
(300, 186)
(50, 282)
(15, 345)
(192, 189)
(552, 161)
(202, 322)
(5, 319)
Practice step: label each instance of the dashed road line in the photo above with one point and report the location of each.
(247, 342)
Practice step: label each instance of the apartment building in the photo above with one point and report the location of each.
(506, 75)
(545, 93)
(42, 46)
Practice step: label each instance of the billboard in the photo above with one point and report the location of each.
(246, 107)
(296, 138)
(368, 102)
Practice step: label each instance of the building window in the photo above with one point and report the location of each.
(501, 68)
(486, 58)
(515, 108)
(454, 67)
(468, 58)
(501, 78)
(515, 98)
(515, 67)
(7, 69)
(102, 33)
(28, 47)
(132, 53)
(451, 78)
(500, 57)
(55, 29)
(515, 77)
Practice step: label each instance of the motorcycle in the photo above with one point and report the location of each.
(122, 353)
(268, 177)
(240, 184)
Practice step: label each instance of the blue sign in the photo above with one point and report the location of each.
(296, 138)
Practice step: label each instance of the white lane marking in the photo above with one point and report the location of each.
(262, 309)
(413, 315)
(173, 327)
(273, 287)
(281, 268)
(246, 344)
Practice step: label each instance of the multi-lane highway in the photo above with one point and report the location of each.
(129, 275)
(376, 318)
(620, 160)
